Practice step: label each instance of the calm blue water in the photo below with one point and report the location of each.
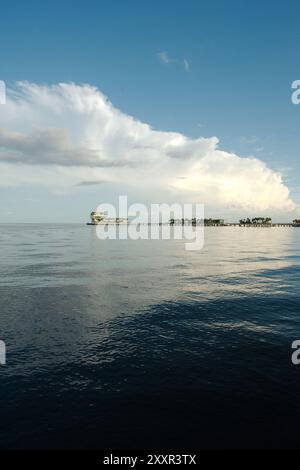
(143, 344)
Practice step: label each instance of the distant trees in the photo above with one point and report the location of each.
(245, 221)
(214, 222)
(208, 221)
(256, 221)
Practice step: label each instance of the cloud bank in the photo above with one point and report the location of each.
(66, 135)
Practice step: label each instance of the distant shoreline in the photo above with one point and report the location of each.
(274, 225)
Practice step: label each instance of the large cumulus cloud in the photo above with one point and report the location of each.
(68, 134)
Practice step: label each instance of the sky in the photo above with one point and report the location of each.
(165, 101)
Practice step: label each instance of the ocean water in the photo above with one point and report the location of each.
(142, 344)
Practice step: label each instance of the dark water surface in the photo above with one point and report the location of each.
(143, 344)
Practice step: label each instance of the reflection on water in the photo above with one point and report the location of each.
(142, 343)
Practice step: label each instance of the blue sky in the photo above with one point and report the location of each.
(242, 56)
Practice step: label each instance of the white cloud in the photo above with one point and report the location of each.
(186, 65)
(66, 135)
(165, 58)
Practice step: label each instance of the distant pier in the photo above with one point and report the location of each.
(218, 223)
(261, 225)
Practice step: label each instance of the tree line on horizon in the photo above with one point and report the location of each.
(210, 221)
(256, 221)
